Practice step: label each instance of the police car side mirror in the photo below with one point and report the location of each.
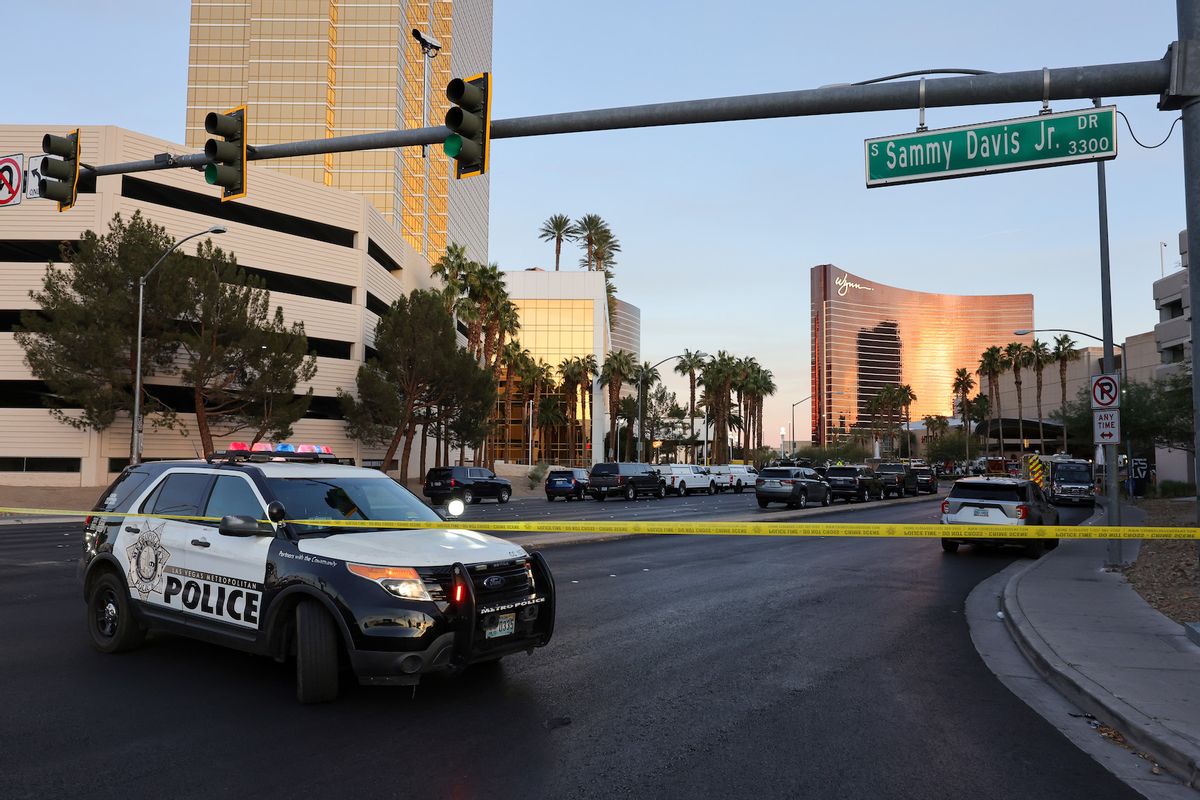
(276, 512)
(244, 525)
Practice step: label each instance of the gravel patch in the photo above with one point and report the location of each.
(1167, 572)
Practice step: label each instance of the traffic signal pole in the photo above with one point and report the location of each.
(1066, 83)
(1188, 13)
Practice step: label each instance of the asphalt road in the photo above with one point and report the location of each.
(683, 667)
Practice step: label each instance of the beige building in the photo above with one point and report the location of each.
(328, 257)
(313, 69)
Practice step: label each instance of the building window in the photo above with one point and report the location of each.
(39, 464)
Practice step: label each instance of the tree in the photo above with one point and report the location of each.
(550, 416)
(644, 378)
(963, 385)
(690, 363)
(241, 363)
(588, 229)
(556, 228)
(571, 370)
(452, 269)
(627, 409)
(416, 350)
(1039, 358)
(717, 376)
(1017, 357)
(614, 374)
(905, 397)
(991, 365)
(1064, 353)
(83, 340)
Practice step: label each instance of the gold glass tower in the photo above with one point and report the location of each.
(311, 69)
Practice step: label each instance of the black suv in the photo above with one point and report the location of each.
(927, 480)
(570, 484)
(854, 482)
(299, 558)
(898, 479)
(469, 484)
(627, 480)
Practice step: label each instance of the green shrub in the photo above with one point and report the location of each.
(1176, 489)
(538, 474)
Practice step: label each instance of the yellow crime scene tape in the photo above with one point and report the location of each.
(656, 528)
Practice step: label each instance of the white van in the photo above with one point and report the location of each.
(734, 476)
(685, 479)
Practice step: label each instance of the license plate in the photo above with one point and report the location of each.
(771, 483)
(981, 512)
(560, 483)
(435, 483)
(505, 625)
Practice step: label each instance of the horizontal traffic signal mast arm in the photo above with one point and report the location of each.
(1066, 83)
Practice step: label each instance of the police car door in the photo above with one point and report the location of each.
(224, 574)
(152, 549)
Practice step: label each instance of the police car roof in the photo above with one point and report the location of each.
(282, 469)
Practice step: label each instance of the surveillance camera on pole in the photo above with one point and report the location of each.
(429, 45)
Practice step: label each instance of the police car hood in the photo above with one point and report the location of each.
(412, 548)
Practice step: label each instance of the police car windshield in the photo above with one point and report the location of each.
(347, 498)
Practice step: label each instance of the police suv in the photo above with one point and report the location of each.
(214, 550)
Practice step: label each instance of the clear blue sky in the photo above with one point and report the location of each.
(720, 223)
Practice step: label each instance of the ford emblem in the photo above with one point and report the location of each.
(493, 582)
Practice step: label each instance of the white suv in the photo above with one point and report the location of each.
(737, 477)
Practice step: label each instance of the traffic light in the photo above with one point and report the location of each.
(60, 176)
(470, 121)
(227, 159)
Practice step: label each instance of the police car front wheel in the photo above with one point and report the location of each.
(110, 618)
(316, 654)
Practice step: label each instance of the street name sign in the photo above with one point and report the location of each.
(1106, 392)
(1046, 140)
(1106, 426)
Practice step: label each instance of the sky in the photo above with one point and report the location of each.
(720, 223)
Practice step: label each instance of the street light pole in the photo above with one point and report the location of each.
(641, 381)
(798, 402)
(135, 456)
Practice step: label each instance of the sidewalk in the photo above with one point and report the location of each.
(1095, 640)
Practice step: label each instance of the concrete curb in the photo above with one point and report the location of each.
(38, 520)
(1144, 733)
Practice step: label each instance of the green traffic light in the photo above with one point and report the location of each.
(453, 145)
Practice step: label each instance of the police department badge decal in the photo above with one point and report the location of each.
(147, 557)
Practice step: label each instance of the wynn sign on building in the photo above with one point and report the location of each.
(867, 336)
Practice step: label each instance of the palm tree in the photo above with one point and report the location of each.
(511, 356)
(991, 365)
(1016, 354)
(717, 376)
(589, 370)
(643, 378)
(587, 229)
(689, 364)
(452, 268)
(614, 374)
(963, 385)
(764, 386)
(556, 228)
(550, 416)
(569, 372)
(1064, 353)
(905, 397)
(628, 410)
(604, 249)
(1039, 358)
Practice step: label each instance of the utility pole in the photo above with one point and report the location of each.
(1188, 13)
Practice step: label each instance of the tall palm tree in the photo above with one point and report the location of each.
(1064, 353)
(556, 228)
(1016, 354)
(568, 369)
(906, 397)
(627, 408)
(963, 385)
(511, 356)
(643, 379)
(717, 376)
(589, 370)
(452, 268)
(587, 229)
(1039, 359)
(991, 365)
(604, 250)
(614, 374)
(689, 364)
(550, 416)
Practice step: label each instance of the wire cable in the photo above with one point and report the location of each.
(1148, 146)
(917, 72)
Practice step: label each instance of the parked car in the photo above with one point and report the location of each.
(685, 479)
(998, 501)
(469, 484)
(854, 482)
(898, 479)
(627, 480)
(734, 476)
(569, 484)
(793, 486)
(927, 480)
